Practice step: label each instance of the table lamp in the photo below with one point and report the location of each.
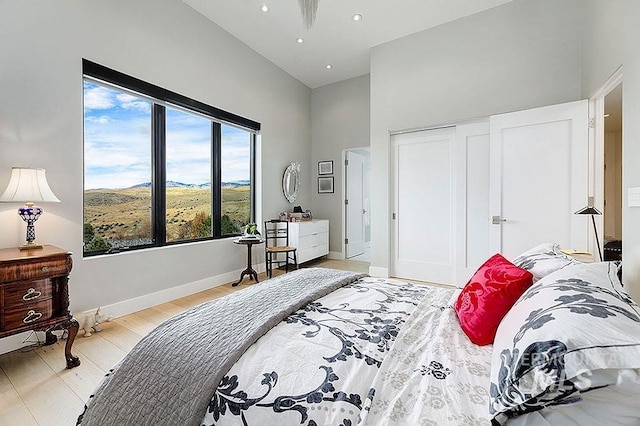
(591, 211)
(28, 185)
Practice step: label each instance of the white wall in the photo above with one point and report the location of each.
(519, 55)
(610, 34)
(339, 120)
(163, 42)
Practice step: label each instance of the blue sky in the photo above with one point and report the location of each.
(117, 143)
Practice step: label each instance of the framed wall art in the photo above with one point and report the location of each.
(325, 167)
(325, 185)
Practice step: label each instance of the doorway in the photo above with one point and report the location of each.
(357, 226)
(613, 174)
(605, 110)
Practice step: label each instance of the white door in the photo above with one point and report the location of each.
(472, 194)
(539, 178)
(423, 233)
(354, 204)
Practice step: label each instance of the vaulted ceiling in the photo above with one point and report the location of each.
(335, 39)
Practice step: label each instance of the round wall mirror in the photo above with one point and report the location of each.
(291, 182)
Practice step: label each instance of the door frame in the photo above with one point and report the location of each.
(344, 195)
(596, 154)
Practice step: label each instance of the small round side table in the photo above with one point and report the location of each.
(249, 242)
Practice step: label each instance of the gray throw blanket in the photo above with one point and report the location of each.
(170, 376)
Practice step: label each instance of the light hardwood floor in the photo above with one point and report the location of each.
(37, 389)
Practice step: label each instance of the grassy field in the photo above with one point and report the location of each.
(118, 214)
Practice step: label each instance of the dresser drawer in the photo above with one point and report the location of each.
(313, 227)
(306, 241)
(26, 292)
(306, 254)
(45, 268)
(27, 314)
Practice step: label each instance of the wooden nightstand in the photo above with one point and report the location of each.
(34, 294)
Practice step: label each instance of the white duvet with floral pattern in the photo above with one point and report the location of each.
(315, 368)
(433, 374)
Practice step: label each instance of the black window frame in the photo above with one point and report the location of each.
(219, 117)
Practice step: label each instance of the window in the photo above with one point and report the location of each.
(188, 181)
(117, 161)
(160, 168)
(236, 179)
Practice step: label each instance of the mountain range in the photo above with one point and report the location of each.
(174, 184)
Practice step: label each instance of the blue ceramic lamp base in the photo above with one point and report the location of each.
(30, 213)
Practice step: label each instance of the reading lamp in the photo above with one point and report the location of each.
(592, 211)
(28, 185)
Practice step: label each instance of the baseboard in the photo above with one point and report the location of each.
(335, 255)
(130, 306)
(12, 343)
(126, 307)
(375, 271)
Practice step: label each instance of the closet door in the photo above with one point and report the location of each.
(539, 178)
(423, 232)
(472, 194)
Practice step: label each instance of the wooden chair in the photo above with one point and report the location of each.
(276, 245)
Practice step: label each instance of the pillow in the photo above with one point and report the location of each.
(488, 296)
(610, 405)
(543, 260)
(565, 335)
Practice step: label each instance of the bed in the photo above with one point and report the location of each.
(325, 347)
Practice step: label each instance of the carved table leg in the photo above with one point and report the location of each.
(72, 327)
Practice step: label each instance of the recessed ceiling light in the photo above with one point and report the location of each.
(329, 66)
(356, 17)
(300, 40)
(264, 8)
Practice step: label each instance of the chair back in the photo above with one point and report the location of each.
(276, 233)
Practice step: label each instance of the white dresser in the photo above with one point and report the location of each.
(311, 238)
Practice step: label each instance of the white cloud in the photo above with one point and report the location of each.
(103, 119)
(139, 105)
(98, 98)
(195, 173)
(126, 98)
(235, 170)
(188, 156)
(235, 154)
(118, 155)
(128, 101)
(114, 159)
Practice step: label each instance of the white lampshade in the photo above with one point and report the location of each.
(28, 185)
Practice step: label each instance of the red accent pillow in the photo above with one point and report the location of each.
(488, 296)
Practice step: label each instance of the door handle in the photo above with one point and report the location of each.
(496, 220)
